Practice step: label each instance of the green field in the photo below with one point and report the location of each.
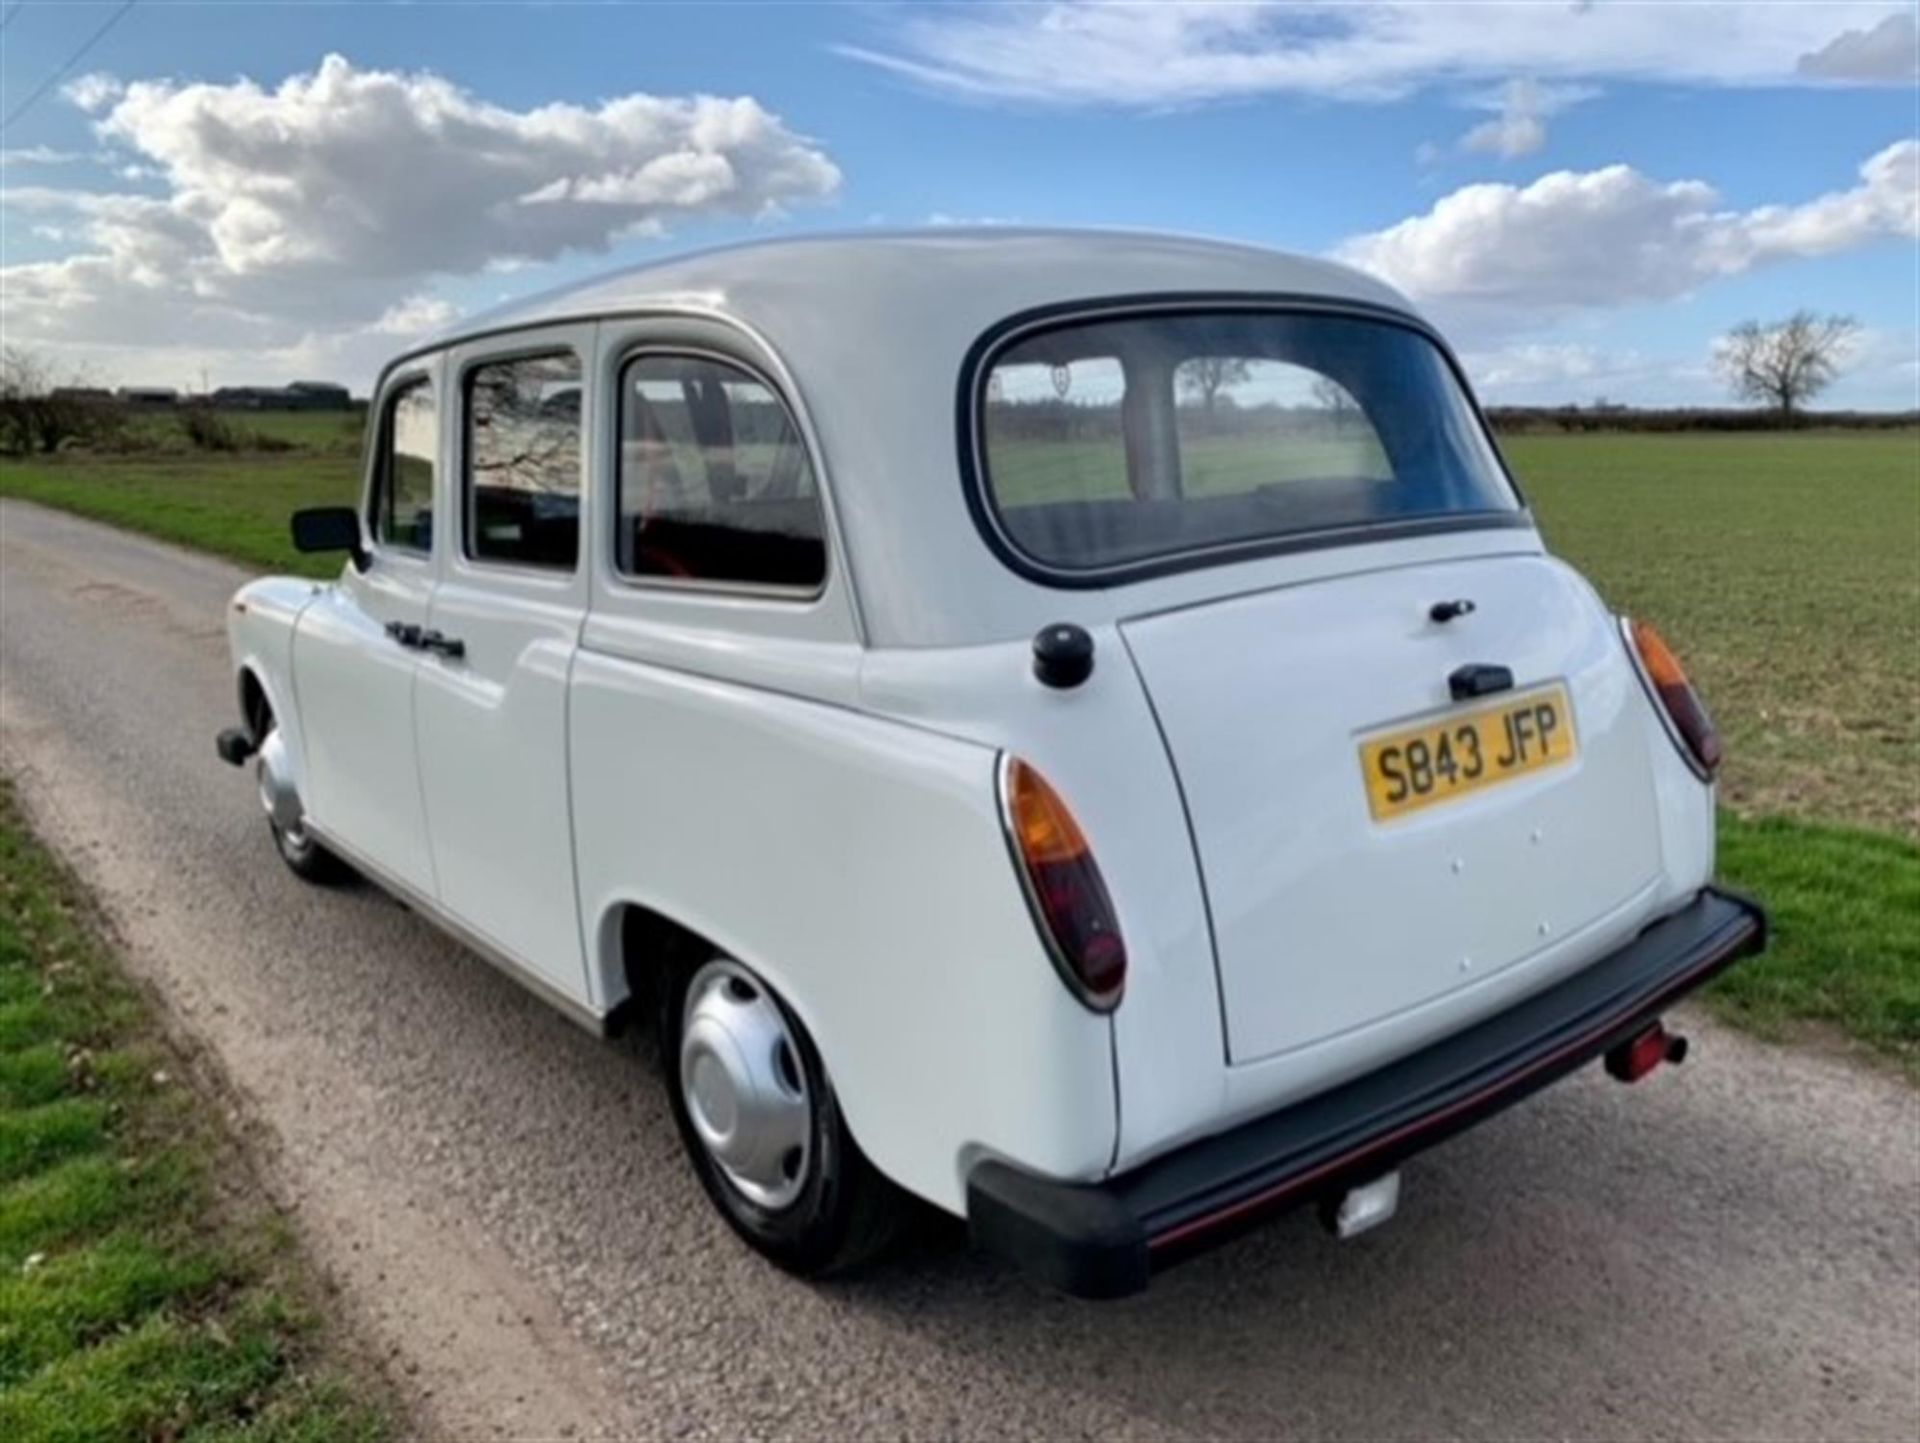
(146, 1290)
(232, 505)
(1786, 572)
(338, 432)
(1785, 569)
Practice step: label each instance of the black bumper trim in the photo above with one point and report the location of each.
(1107, 1239)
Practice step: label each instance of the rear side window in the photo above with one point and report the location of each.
(1113, 442)
(523, 461)
(403, 479)
(714, 480)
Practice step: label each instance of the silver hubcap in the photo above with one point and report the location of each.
(745, 1090)
(281, 803)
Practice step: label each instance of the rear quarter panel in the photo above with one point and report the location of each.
(859, 865)
(1100, 748)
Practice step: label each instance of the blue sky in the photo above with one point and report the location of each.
(1585, 195)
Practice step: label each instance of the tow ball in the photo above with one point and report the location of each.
(1634, 1059)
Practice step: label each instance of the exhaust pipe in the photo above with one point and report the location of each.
(1363, 1208)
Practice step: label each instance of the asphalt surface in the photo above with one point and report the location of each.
(1731, 1249)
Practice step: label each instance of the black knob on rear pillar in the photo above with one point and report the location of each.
(1062, 654)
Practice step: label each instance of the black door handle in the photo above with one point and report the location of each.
(448, 646)
(404, 632)
(1478, 679)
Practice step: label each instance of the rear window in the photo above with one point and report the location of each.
(1114, 442)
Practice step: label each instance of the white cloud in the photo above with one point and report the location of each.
(322, 205)
(38, 155)
(1613, 237)
(1888, 54)
(416, 316)
(92, 92)
(1508, 136)
(1535, 362)
(1160, 55)
(1522, 108)
(1880, 371)
(1533, 373)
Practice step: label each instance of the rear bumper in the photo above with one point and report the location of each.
(1107, 1239)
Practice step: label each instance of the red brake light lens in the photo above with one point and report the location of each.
(1064, 887)
(1668, 681)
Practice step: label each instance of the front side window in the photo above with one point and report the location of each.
(714, 480)
(523, 461)
(404, 465)
(1108, 443)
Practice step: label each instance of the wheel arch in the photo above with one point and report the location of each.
(256, 707)
(637, 940)
(636, 945)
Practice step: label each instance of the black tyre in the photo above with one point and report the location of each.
(306, 858)
(763, 1128)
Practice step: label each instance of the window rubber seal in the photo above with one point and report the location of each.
(970, 436)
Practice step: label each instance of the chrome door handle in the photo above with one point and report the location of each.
(450, 647)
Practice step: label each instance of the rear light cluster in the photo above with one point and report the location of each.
(1667, 680)
(1063, 886)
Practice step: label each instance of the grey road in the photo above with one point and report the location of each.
(1731, 1249)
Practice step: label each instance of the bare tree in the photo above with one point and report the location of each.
(1786, 364)
(38, 412)
(1332, 397)
(1207, 376)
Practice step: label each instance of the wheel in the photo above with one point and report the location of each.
(763, 1128)
(305, 858)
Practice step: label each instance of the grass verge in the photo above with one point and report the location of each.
(1845, 954)
(142, 1294)
(233, 506)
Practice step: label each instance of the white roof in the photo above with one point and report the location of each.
(974, 275)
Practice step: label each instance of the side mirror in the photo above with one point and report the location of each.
(330, 528)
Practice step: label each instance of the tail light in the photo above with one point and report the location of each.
(1063, 886)
(1667, 680)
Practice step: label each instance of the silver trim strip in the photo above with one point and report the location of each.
(489, 952)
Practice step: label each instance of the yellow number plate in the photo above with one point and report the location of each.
(1465, 751)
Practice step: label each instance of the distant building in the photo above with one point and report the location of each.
(85, 395)
(300, 396)
(148, 398)
(247, 398)
(319, 396)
